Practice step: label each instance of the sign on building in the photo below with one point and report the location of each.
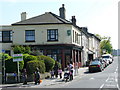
(17, 57)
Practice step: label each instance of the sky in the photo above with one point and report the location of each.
(99, 16)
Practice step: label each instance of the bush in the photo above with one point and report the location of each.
(49, 62)
(4, 56)
(27, 57)
(32, 65)
(12, 66)
(18, 49)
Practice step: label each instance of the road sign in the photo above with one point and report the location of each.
(17, 57)
(3, 51)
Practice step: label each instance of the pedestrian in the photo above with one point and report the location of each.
(71, 70)
(37, 76)
(60, 72)
(15, 76)
(24, 75)
(56, 69)
(52, 73)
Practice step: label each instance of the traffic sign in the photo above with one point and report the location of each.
(17, 57)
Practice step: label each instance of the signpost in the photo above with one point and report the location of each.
(17, 58)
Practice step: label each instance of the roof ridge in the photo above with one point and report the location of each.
(59, 18)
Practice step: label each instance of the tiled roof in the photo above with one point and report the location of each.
(47, 18)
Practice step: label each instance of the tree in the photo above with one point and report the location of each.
(105, 44)
(21, 49)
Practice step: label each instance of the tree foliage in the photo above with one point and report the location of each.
(32, 65)
(105, 44)
(21, 49)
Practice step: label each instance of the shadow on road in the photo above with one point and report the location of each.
(87, 72)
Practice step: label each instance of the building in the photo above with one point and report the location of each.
(52, 35)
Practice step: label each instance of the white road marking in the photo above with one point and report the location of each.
(116, 69)
(118, 86)
(116, 80)
(92, 78)
(107, 79)
(102, 86)
(110, 85)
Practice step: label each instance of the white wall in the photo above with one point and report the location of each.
(41, 34)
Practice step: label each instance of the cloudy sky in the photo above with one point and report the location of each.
(100, 16)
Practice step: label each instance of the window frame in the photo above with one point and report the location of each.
(33, 34)
(8, 36)
(52, 34)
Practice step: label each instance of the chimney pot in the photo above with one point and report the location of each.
(73, 20)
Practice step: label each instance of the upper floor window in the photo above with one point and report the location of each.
(6, 36)
(52, 34)
(73, 35)
(30, 35)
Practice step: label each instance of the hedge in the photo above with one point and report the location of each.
(27, 57)
(32, 65)
(49, 62)
(12, 66)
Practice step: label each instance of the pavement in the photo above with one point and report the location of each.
(47, 82)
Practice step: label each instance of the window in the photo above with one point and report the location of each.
(73, 35)
(30, 35)
(6, 36)
(52, 35)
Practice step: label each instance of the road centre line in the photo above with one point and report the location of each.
(116, 69)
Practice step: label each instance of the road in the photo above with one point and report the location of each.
(105, 79)
(108, 78)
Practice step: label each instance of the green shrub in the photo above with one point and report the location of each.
(12, 66)
(32, 65)
(49, 62)
(21, 49)
(27, 57)
(4, 56)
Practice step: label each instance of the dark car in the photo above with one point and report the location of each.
(95, 65)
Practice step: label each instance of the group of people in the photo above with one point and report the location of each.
(36, 76)
(70, 69)
(55, 72)
(58, 71)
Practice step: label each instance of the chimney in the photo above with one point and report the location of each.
(62, 12)
(23, 16)
(73, 20)
(85, 29)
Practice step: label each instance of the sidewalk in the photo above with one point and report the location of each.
(46, 82)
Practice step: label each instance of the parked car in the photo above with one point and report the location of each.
(96, 65)
(108, 58)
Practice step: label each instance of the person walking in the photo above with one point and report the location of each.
(52, 73)
(60, 72)
(56, 69)
(37, 76)
(24, 76)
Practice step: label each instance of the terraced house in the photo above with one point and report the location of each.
(53, 36)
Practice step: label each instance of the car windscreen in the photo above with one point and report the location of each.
(105, 56)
